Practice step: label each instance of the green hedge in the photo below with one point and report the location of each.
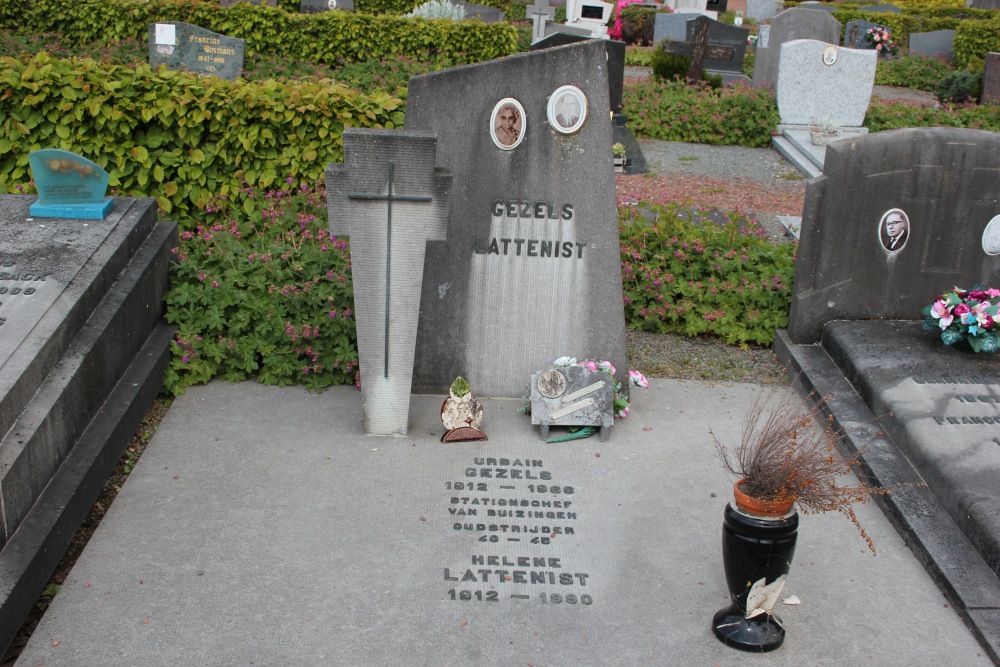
(973, 40)
(176, 136)
(326, 37)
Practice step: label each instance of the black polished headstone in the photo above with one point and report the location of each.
(944, 180)
(195, 49)
(721, 34)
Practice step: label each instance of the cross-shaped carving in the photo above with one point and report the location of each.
(540, 13)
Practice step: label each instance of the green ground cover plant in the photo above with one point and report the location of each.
(913, 71)
(265, 294)
(894, 115)
(683, 273)
(695, 113)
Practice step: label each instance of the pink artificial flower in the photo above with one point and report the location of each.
(960, 309)
(638, 379)
(607, 367)
(589, 364)
(623, 413)
(993, 293)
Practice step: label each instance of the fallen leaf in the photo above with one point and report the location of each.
(145, 621)
(177, 476)
(597, 455)
(647, 428)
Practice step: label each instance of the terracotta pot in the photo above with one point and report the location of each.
(756, 506)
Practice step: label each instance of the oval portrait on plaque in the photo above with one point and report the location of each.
(567, 109)
(894, 229)
(507, 123)
(829, 55)
(991, 236)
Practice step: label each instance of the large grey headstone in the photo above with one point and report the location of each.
(184, 46)
(936, 43)
(811, 89)
(500, 298)
(616, 60)
(795, 23)
(856, 34)
(944, 180)
(671, 26)
(390, 200)
(991, 79)
(984, 4)
(721, 34)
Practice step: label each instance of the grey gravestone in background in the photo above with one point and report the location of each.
(936, 43)
(671, 26)
(720, 34)
(572, 396)
(494, 309)
(985, 4)
(795, 23)
(484, 13)
(390, 200)
(819, 6)
(317, 6)
(856, 34)
(991, 79)
(195, 49)
(809, 90)
(539, 14)
(762, 10)
(945, 180)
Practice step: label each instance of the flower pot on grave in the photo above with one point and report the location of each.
(822, 137)
(755, 546)
(619, 164)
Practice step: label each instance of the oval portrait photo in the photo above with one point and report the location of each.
(991, 236)
(507, 123)
(567, 109)
(894, 229)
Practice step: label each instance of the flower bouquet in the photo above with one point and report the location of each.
(968, 316)
(636, 378)
(881, 40)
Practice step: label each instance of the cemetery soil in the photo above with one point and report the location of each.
(755, 181)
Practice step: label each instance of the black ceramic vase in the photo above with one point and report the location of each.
(753, 548)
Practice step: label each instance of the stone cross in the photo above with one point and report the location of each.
(540, 13)
(390, 200)
(699, 49)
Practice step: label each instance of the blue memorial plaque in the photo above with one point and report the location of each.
(69, 186)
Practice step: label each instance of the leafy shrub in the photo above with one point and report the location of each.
(913, 71)
(669, 66)
(176, 136)
(637, 24)
(639, 56)
(886, 115)
(438, 9)
(958, 87)
(685, 274)
(973, 40)
(695, 113)
(265, 294)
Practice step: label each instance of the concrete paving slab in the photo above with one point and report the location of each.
(262, 527)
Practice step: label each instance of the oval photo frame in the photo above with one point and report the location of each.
(894, 229)
(567, 109)
(830, 55)
(508, 133)
(991, 237)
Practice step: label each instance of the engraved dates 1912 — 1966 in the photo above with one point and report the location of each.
(518, 508)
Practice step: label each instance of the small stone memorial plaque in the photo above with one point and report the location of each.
(184, 46)
(69, 186)
(572, 396)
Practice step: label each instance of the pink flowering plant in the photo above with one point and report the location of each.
(263, 291)
(966, 316)
(636, 379)
(881, 41)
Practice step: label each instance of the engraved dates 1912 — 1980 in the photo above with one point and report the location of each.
(522, 516)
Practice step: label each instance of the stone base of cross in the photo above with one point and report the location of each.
(540, 13)
(390, 200)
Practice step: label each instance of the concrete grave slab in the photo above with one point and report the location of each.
(531, 268)
(821, 83)
(943, 180)
(184, 46)
(795, 23)
(260, 527)
(936, 43)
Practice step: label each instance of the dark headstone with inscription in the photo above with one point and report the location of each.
(991, 79)
(184, 46)
(572, 396)
(317, 6)
(721, 34)
(942, 180)
(856, 34)
(939, 43)
(82, 354)
(795, 23)
(531, 268)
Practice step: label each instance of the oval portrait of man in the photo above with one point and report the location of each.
(507, 123)
(567, 110)
(894, 229)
